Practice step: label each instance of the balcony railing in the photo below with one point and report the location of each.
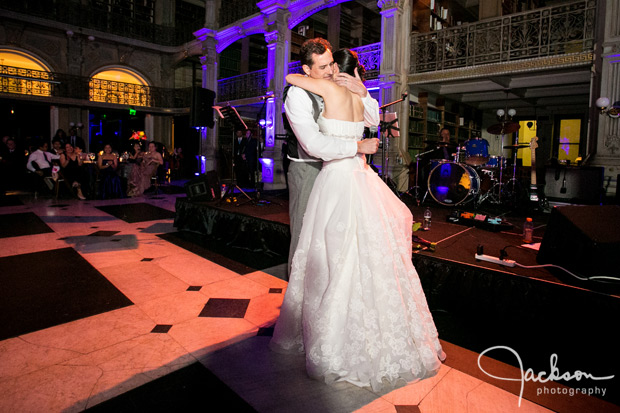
(102, 16)
(255, 83)
(21, 81)
(548, 31)
(247, 85)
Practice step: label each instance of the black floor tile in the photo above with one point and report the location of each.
(17, 225)
(137, 212)
(190, 389)
(225, 308)
(10, 200)
(44, 289)
(240, 260)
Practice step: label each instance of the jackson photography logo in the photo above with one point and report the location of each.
(544, 377)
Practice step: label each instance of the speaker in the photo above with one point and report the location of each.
(583, 239)
(575, 184)
(201, 111)
(204, 187)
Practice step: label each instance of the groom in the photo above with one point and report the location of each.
(307, 146)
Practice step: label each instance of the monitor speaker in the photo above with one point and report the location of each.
(574, 184)
(583, 239)
(204, 187)
(201, 111)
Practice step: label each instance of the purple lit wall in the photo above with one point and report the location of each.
(270, 122)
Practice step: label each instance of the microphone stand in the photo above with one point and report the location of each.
(385, 139)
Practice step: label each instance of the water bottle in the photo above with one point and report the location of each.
(427, 219)
(528, 230)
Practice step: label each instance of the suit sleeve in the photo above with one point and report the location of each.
(298, 107)
(371, 111)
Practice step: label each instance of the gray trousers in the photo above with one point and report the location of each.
(301, 177)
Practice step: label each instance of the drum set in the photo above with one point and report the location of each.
(472, 175)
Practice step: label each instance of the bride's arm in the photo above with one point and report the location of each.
(320, 87)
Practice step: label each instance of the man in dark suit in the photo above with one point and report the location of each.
(12, 166)
(251, 157)
(240, 146)
(76, 140)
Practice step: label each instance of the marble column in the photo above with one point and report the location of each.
(278, 38)
(208, 136)
(395, 53)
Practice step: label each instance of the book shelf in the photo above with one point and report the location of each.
(426, 120)
(431, 15)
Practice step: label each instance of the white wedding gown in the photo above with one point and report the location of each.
(354, 303)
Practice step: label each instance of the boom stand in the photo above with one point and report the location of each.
(230, 113)
(388, 126)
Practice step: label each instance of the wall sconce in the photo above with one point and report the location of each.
(602, 104)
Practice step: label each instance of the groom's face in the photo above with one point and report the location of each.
(321, 66)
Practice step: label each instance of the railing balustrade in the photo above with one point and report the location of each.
(254, 84)
(547, 31)
(17, 80)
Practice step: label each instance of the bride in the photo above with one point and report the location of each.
(354, 302)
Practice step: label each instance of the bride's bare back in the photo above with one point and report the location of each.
(340, 103)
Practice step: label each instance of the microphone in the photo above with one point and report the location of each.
(404, 95)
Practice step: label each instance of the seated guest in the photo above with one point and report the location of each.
(57, 146)
(109, 181)
(71, 164)
(40, 162)
(141, 173)
(60, 135)
(12, 161)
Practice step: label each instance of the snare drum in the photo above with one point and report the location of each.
(495, 161)
(477, 152)
(451, 183)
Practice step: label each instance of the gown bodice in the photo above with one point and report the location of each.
(342, 129)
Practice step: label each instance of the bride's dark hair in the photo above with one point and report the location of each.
(347, 62)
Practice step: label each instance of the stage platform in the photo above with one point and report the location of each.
(537, 312)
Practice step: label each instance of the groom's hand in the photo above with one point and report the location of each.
(354, 84)
(368, 146)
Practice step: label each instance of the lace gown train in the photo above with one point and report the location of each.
(354, 303)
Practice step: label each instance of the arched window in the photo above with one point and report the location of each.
(119, 85)
(24, 74)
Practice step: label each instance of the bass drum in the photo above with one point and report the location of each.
(451, 183)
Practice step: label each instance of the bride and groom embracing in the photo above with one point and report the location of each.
(354, 302)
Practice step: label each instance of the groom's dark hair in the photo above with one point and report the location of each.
(310, 47)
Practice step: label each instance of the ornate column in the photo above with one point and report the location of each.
(209, 61)
(608, 138)
(278, 38)
(395, 53)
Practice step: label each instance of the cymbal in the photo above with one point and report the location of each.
(502, 128)
(516, 146)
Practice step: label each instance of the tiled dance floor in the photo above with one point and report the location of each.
(174, 328)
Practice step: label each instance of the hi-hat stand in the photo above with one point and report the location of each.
(416, 188)
(230, 113)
